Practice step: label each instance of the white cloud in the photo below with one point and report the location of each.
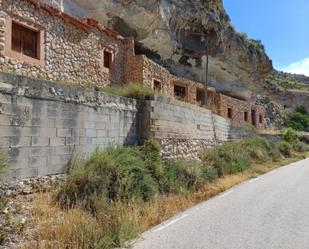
(299, 67)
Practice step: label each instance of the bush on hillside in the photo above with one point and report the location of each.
(228, 158)
(300, 146)
(289, 135)
(261, 149)
(298, 119)
(114, 174)
(285, 148)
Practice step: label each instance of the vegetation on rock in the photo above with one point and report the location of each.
(286, 81)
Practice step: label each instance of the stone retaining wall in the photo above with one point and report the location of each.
(41, 123)
(183, 129)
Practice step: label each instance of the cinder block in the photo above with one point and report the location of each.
(57, 141)
(48, 132)
(28, 172)
(18, 156)
(64, 150)
(10, 131)
(41, 151)
(20, 141)
(4, 142)
(36, 162)
(5, 120)
(39, 141)
(101, 133)
(64, 132)
(68, 123)
(72, 141)
(42, 122)
(89, 125)
(90, 133)
(100, 125)
(78, 133)
(58, 160)
(86, 140)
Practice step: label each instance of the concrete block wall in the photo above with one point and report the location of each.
(183, 129)
(42, 123)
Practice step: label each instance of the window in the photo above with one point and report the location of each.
(157, 85)
(200, 97)
(108, 59)
(25, 41)
(230, 113)
(253, 117)
(179, 92)
(246, 116)
(261, 118)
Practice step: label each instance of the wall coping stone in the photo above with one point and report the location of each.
(14, 84)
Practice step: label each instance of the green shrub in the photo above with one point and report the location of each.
(3, 235)
(151, 154)
(285, 148)
(228, 158)
(131, 90)
(300, 146)
(265, 149)
(298, 119)
(113, 174)
(3, 160)
(289, 135)
(183, 174)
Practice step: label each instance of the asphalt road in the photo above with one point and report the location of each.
(268, 212)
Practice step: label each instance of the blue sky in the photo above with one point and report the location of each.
(282, 25)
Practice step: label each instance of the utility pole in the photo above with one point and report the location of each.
(206, 79)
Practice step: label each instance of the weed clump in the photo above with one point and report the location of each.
(3, 160)
(131, 90)
(285, 148)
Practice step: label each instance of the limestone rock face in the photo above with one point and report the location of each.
(179, 33)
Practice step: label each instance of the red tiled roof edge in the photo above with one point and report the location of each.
(84, 24)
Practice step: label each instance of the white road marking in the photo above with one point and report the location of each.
(225, 194)
(171, 222)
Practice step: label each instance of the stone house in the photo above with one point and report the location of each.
(41, 41)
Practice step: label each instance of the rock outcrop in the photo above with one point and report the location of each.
(179, 33)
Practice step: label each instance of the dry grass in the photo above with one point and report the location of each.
(62, 229)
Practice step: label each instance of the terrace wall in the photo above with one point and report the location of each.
(42, 123)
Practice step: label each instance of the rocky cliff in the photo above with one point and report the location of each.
(179, 33)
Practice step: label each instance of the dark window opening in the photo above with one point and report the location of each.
(25, 40)
(108, 59)
(261, 119)
(246, 116)
(179, 92)
(200, 97)
(253, 117)
(230, 113)
(157, 85)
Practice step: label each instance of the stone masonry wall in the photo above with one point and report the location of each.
(183, 129)
(239, 107)
(71, 49)
(42, 123)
